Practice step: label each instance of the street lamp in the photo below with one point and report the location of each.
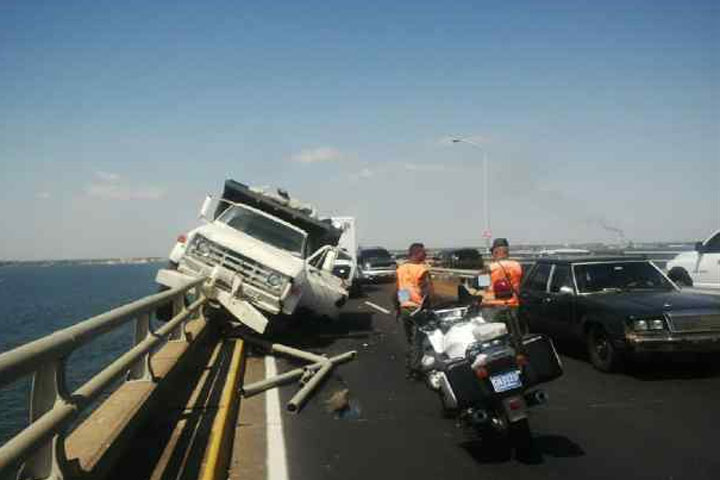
(486, 232)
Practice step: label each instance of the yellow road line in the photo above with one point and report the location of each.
(221, 435)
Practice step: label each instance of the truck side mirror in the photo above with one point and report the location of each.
(699, 247)
(205, 209)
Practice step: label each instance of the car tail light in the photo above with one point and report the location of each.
(182, 238)
(502, 289)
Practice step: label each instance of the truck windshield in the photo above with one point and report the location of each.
(264, 229)
(619, 277)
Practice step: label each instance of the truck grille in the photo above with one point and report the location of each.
(250, 271)
(693, 322)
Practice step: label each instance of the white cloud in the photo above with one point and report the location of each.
(317, 155)
(362, 174)
(425, 167)
(43, 195)
(107, 176)
(113, 191)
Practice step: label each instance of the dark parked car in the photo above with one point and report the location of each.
(617, 306)
(463, 258)
(375, 264)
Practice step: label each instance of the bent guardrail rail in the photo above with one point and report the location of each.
(39, 448)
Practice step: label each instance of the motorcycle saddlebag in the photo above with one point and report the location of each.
(543, 362)
(467, 388)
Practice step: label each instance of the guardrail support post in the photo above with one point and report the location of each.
(179, 334)
(142, 370)
(48, 389)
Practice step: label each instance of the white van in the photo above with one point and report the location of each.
(699, 268)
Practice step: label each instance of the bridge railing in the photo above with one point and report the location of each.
(39, 448)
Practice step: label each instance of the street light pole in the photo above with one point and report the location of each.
(486, 215)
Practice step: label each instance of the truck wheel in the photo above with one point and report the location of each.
(680, 276)
(603, 354)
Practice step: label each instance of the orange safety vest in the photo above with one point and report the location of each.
(411, 284)
(509, 270)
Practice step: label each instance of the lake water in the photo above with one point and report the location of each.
(37, 300)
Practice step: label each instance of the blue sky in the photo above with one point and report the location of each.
(117, 117)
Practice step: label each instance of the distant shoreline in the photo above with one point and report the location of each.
(83, 261)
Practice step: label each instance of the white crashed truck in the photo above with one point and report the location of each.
(264, 255)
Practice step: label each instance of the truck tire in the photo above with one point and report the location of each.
(680, 276)
(604, 356)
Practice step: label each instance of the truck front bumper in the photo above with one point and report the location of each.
(241, 303)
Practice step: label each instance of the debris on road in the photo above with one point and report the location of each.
(338, 401)
(309, 376)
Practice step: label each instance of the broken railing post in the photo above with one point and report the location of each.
(299, 399)
(262, 385)
(311, 375)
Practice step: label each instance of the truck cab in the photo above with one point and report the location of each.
(698, 268)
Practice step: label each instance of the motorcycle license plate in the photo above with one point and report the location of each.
(506, 381)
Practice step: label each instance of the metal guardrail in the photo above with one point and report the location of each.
(40, 446)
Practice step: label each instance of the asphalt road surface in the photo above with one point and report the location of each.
(657, 421)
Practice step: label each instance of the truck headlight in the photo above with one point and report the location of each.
(274, 280)
(202, 247)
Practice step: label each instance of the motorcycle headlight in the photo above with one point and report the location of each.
(274, 280)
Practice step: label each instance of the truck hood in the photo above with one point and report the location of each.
(275, 258)
(652, 303)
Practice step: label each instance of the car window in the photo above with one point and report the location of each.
(467, 254)
(560, 278)
(376, 253)
(539, 277)
(713, 245)
(619, 276)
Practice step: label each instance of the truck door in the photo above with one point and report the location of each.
(707, 273)
(347, 243)
(326, 289)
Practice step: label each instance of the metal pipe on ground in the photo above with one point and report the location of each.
(284, 349)
(301, 396)
(262, 385)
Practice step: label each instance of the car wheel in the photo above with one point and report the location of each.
(603, 354)
(680, 276)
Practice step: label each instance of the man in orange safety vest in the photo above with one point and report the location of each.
(412, 294)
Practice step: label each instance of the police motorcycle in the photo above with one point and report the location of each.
(485, 370)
